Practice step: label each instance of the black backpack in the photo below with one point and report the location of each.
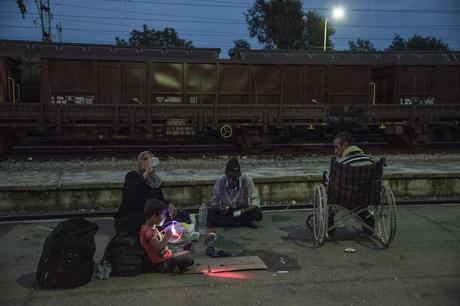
(67, 256)
(126, 255)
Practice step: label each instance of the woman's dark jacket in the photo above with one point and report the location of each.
(136, 192)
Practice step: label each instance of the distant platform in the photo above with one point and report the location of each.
(73, 185)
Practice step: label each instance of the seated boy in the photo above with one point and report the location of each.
(155, 243)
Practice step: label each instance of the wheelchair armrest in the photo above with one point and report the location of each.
(325, 178)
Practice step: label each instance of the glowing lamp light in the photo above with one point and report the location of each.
(177, 231)
(338, 13)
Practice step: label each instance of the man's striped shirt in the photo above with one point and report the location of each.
(355, 156)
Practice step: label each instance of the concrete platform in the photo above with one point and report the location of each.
(71, 185)
(421, 267)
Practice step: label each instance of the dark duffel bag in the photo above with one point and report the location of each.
(67, 259)
(126, 255)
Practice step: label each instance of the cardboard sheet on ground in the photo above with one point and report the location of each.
(226, 264)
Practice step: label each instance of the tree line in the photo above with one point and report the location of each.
(276, 24)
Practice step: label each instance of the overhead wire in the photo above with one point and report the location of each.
(100, 31)
(426, 11)
(207, 20)
(432, 27)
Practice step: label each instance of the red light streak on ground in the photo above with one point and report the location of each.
(233, 275)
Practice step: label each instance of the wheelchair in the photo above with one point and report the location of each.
(353, 192)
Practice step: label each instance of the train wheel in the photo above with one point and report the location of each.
(226, 131)
(254, 143)
(418, 140)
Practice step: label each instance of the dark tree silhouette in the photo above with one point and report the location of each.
(282, 24)
(168, 38)
(417, 43)
(361, 45)
(314, 32)
(240, 44)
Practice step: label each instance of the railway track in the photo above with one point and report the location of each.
(314, 147)
(164, 148)
(111, 213)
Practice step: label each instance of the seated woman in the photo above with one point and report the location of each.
(141, 185)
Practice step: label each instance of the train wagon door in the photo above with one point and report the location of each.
(109, 83)
(10, 81)
(316, 85)
(136, 79)
(294, 79)
(449, 82)
(383, 85)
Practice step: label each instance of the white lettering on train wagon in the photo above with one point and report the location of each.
(168, 99)
(180, 131)
(175, 122)
(417, 100)
(58, 99)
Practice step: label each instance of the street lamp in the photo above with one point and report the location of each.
(337, 13)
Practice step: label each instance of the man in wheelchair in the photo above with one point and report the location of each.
(354, 186)
(349, 154)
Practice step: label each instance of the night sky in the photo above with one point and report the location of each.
(216, 23)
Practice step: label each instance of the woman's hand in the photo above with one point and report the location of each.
(146, 168)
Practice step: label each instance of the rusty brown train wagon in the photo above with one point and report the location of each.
(419, 96)
(411, 94)
(98, 91)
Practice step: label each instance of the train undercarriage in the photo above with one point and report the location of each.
(254, 128)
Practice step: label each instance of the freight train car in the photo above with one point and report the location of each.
(415, 95)
(75, 91)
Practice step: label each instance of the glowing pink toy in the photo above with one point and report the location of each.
(177, 231)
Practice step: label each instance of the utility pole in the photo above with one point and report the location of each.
(44, 11)
(59, 31)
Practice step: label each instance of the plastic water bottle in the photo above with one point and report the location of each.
(102, 270)
(203, 219)
(107, 269)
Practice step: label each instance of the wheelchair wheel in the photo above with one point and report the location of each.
(320, 214)
(385, 217)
